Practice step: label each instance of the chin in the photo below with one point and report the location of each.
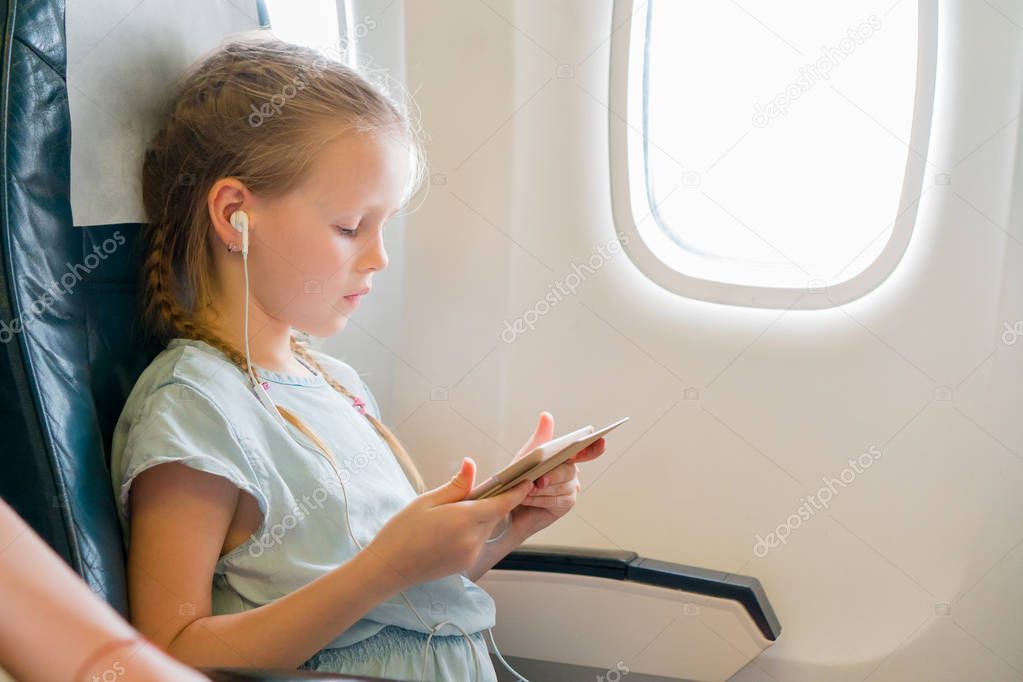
(334, 325)
(325, 321)
(323, 328)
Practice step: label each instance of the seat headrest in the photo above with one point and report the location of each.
(121, 68)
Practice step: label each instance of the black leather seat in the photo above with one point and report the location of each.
(61, 380)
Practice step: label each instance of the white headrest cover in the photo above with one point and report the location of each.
(123, 59)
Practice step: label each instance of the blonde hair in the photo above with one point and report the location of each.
(257, 109)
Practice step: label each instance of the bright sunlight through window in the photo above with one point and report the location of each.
(313, 23)
(768, 143)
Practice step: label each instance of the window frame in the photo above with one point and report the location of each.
(624, 14)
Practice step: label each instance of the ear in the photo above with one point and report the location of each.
(226, 196)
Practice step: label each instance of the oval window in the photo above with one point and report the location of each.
(770, 154)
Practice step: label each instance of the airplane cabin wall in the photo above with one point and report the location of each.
(909, 571)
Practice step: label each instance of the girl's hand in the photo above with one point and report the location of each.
(556, 492)
(439, 533)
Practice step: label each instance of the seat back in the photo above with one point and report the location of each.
(70, 336)
(55, 474)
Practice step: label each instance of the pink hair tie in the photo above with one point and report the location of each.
(359, 405)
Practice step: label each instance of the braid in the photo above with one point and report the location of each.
(165, 315)
(402, 455)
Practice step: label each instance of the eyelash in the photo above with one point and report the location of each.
(351, 231)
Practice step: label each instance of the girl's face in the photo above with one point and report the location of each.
(312, 248)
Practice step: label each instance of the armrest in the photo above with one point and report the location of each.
(629, 566)
(745, 592)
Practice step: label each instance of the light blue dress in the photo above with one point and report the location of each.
(192, 405)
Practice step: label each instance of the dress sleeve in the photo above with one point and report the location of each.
(177, 423)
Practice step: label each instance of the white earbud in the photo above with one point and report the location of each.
(240, 222)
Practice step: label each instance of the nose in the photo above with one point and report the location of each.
(374, 256)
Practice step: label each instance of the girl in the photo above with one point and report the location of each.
(250, 544)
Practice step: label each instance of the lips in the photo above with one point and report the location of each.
(357, 296)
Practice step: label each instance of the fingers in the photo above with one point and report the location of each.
(553, 501)
(456, 488)
(465, 476)
(544, 432)
(499, 505)
(591, 451)
(559, 474)
(563, 488)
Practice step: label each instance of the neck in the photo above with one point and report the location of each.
(269, 337)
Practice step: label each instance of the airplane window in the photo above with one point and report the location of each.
(313, 23)
(770, 146)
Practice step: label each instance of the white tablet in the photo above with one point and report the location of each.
(540, 460)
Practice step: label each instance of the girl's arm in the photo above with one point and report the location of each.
(53, 623)
(179, 520)
(495, 551)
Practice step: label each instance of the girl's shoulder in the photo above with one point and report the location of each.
(188, 367)
(191, 362)
(187, 406)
